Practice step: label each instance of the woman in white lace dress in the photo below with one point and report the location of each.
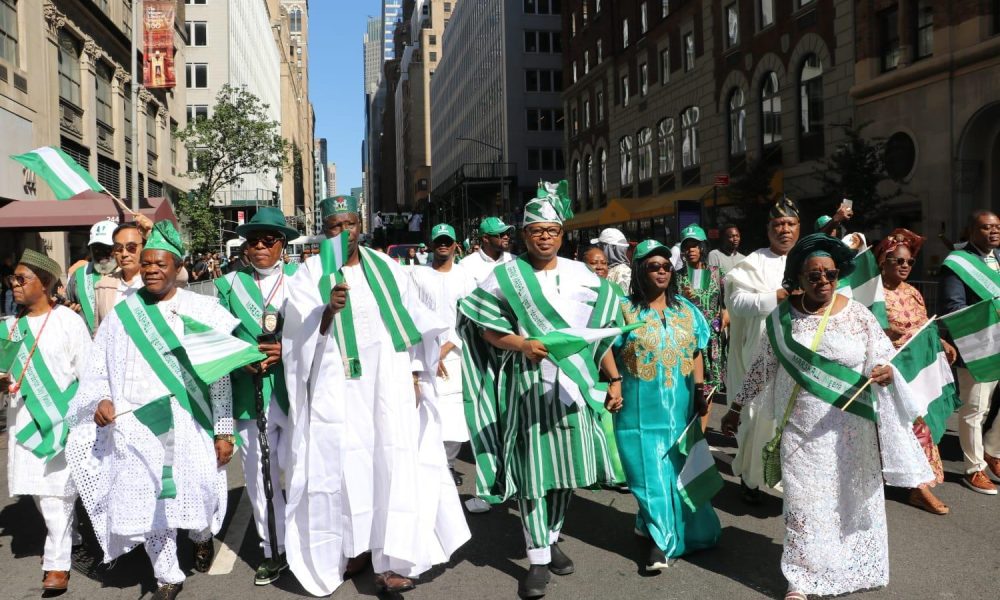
(833, 461)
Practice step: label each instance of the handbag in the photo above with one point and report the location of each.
(771, 453)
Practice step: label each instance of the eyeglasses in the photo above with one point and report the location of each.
(268, 241)
(656, 267)
(505, 234)
(131, 247)
(900, 261)
(829, 275)
(21, 280)
(537, 233)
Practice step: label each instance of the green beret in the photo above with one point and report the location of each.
(817, 244)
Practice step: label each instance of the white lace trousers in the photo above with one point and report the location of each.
(60, 527)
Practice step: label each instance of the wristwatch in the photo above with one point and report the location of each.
(615, 379)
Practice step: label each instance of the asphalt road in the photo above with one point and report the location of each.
(954, 556)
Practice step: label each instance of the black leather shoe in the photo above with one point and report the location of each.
(657, 559)
(204, 552)
(749, 495)
(167, 591)
(560, 564)
(533, 584)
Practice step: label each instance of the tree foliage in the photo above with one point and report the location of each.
(237, 140)
(751, 193)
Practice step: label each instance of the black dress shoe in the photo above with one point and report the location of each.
(560, 564)
(657, 559)
(167, 591)
(750, 495)
(204, 552)
(456, 476)
(534, 582)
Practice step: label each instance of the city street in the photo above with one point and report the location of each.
(932, 557)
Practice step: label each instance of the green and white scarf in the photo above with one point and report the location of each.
(395, 317)
(826, 379)
(85, 283)
(45, 435)
(973, 272)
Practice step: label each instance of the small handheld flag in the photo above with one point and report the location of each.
(63, 174)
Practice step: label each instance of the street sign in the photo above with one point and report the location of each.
(241, 217)
(722, 180)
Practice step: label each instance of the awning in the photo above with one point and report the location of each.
(79, 212)
(664, 204)
(584, 220)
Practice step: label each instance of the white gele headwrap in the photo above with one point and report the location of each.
(552, 204)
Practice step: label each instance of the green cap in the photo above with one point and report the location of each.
(551, 204)
(338, 205)
(443, 230)
(822, 221)
(494, 226)
(36, 261)
(165, 237)
(268, 219)
(648, 247)
(693, 232)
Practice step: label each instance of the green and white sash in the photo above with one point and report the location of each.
(973, 272)
(162, 349)
(395, 317)
(826, 379)
(534, 312)
(85, 292)
(45, 435)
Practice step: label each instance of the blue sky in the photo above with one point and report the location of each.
(336, 81)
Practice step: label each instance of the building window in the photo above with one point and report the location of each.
(69, 68)
(644, 142)
(197, 32)
(545, 159)
(545, 119)
(126, 14)
(447, 7)
(588, 176)
(432, 40)
(664, 66)
(194, 1)
(128, 121)
(577, 179)
(688, 51)
(572, 24)
(765, 12)
(600, 51)
(196, 75)
(8, 31)
(643, 19)
(434, 56)
(737, 123)
(624, 33)
(583, 12)
(574, 119)
(625, 160)
(888, 28)
(664, 8)
(543, 80)
(811, 108)
(105, 113)
(151, 128)
(643, 79)
(600, 105)
(665, 145)
(624, 90)
(689, 137)
(295, 20)
(602, 171)
(197, 112)
(574, 71)
(924, 19)
(542, 41)
(539, 7)
(586, 113)
(770, 109)
(732, 25)
(586, 62)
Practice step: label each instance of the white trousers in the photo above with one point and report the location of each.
(971, 415)
(161, 547)
(451, 449)
(278, 442)
(60, 527)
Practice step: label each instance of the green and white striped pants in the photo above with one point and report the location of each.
(543, 519)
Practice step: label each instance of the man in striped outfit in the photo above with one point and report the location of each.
(536, 433)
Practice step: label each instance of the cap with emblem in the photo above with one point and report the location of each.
(443, 230)
(102, 233)
(36, 261)
(648, 247)
(494, 226)
(693, 232)
(338, 205)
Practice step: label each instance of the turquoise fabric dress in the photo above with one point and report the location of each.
(657, 364)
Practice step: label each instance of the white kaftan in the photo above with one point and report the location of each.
(117, 468)
(833, 462)
(750, 297)
(480, 265)
(367, 466)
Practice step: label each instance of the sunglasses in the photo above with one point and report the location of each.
(268, 241)
(896, 260)
(131, 247)
(21, 280)
(552, 232)
(656, 267)
(829, 275)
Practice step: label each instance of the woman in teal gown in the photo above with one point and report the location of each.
(662, 374)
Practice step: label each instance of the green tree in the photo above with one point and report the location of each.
(238, 139)
(751, 193)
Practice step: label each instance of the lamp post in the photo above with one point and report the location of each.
(500, 175)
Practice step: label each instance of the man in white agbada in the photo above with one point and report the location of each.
(753, 290)
(441, 285)
(494, 243)
(368, 476)
(48, 346)
(119, 466)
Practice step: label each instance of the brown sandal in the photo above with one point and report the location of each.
(924, 499)
(392, 583)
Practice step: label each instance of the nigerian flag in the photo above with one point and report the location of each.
(923, 364)
(214, 354)
(563, 343)
(699, 480)
(976, 332)
(864, 285)
(8, 354)
(63, 174)
(333, 252)
(158, 416)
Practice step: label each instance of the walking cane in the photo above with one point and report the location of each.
(270, 330)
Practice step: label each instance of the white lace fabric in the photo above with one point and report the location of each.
(833, 462)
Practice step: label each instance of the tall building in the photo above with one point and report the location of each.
(319, 169)
(65, 81)
(666, 99)
(228, 46)
(392, 11)
(372, 47)
(331, 178)
(422, 29)
(486, 90)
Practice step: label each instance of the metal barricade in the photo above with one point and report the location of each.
(205, 288)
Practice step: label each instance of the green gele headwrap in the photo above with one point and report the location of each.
(338, 205)
(165, 237)
(551, 204)
(812, 246)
